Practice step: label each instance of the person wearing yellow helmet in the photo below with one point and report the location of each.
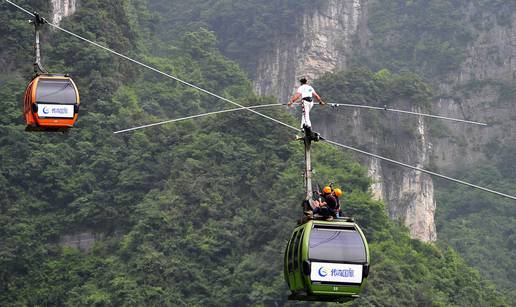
(326, 203)
(321, 208)
(337, 193)
(330, 200)
(326, 190)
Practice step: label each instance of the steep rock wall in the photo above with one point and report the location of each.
(61, 9)
(83, 241)
(319, 47)
(483, 90)
(324, 44)
(409, 194)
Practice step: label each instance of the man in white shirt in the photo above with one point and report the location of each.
(307, 94)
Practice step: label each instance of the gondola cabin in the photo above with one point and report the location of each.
(51, 103)
(326, 261)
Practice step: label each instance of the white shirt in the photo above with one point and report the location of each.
(305, 90)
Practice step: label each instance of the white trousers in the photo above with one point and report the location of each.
(305, 119)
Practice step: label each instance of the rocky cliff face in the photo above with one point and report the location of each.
(319, 47)
(83, 241)
(323, 45)
(62, 8)
(408, 194)
(483, 90)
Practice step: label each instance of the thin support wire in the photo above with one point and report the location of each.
(420, 169)
(195, 116)
(407, 112)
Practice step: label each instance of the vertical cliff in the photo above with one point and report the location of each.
(325, 43)
(62, 8)
(321, 45)
(409, 194)
(483, 88)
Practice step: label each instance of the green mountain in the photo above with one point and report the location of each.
(196, 213)
(452, 44)
(463, 49)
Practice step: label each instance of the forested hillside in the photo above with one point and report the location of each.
(246, 30)
(193, 214)
(464, 49)
(435, 39)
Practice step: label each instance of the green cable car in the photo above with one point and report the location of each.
(326, 261)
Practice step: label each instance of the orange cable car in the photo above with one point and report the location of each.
(51, 103)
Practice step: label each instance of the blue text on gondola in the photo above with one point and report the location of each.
(343, 273)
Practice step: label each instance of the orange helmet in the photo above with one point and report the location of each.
(338, 192)
(326, 190)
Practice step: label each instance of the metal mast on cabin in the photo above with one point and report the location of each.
(308, 167)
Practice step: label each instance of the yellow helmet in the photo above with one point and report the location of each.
(326, 190)
(338, 192)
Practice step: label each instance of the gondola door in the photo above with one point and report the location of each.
(296, 259)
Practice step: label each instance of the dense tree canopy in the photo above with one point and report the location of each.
(196, 213)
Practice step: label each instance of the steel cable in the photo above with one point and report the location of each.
(196, 116)
(407, 112)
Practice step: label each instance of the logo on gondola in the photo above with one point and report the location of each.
(323, 272)
(56, 111)
(336, 272)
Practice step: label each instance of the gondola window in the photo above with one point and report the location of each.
(336, 245)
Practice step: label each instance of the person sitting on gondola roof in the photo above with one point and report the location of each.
(321, 208)
(330, 200)
(337, 193)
